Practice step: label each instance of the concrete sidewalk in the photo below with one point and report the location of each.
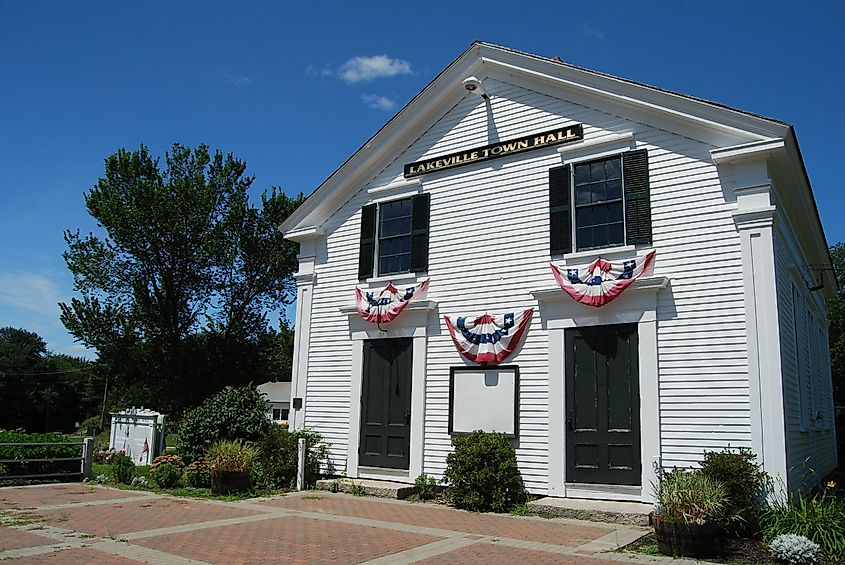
(73, 523)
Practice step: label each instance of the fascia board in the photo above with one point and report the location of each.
(636, 95)
(810, 234)
(753, 150)
(425, 108)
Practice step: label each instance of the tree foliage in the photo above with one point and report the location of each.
(836, 316)
(174, 294)
(41, 391)
(231, 414)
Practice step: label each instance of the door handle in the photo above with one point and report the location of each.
(407, 417)
(570, 424)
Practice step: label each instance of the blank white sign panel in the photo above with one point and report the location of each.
(484, 400)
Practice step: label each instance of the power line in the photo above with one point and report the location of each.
(13, 373)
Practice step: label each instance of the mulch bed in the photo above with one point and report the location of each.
(735, 551)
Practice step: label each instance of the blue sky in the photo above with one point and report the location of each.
(295, 88)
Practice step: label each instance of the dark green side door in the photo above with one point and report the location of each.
(603, 405)
(386, 404)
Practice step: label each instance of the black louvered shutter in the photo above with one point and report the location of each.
(367, 248)
(637, 201)
(560, 213)
(419, 233)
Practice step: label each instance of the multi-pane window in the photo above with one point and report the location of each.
(599, 205)
(394, 236)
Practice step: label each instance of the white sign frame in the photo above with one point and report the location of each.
(484, 398)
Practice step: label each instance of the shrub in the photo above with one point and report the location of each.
(198, 475)
(140, 481)
(102, 456)
(745, 484)
(122, 468)
(39, 452)
(426, 486)
(275, 464)
(174, 460)
(820, 518)
(276, 461)
(482, 474)
(3, 470)
(166, 471)
(231, 414)
(795, 550)
(229, 455)
(317, 454)
(689, 497)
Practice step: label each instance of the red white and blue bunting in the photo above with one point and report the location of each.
(389, 303)
(601, 281)
(488, 339)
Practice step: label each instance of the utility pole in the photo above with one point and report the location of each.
(105, 397)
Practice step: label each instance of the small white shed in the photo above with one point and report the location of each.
(138, 432)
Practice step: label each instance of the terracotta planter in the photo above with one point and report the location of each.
(687, 540)
(225, 482)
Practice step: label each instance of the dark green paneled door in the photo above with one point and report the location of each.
(603, 405)
(386, 404)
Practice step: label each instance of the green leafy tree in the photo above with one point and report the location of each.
(175, 293)
(836, 316)
(41, 391)
(836, 336)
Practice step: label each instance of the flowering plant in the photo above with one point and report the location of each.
(174, 460)
(198, 474)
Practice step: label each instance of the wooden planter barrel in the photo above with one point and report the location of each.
(687, 540)
(225, 482)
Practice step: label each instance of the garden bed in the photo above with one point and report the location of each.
(105, 470)
(734, 551)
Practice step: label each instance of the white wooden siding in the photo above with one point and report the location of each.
(805, 365)
(489, 246)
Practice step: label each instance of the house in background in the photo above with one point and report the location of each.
(509, 162)
(278, 400)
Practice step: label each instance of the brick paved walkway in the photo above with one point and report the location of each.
(71, 524)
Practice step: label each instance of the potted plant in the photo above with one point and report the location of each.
(230, 462)
(689, 506)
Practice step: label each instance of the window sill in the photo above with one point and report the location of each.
(398, 278)
(605, 252)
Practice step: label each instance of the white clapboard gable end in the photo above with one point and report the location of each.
(722, 343)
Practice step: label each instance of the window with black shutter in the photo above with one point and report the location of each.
(600, 203)
(394, 237)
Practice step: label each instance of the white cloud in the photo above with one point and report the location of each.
(592, 32)
(378, 102)
(30, 291)
(362, 69)
(319, 72)
(236, 79)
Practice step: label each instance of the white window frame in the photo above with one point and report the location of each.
(377, 274)
(573, 227)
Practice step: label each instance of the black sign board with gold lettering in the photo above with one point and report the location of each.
(496, 150)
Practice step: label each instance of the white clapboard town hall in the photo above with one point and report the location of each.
(615, 275)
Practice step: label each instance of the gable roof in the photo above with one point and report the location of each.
(716, 123)
(479, 55)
